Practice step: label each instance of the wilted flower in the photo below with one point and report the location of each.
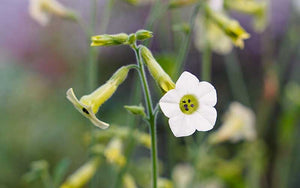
(113, 152)
(239, 123)
(182, 175)
(160, 76)
(41, 10)
(81, 176)
(89, 105)
(190, 106)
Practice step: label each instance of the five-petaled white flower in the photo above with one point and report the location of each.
(190, 106)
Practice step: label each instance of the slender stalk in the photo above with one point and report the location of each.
(206, 64)
(151, 116)
(186, 41)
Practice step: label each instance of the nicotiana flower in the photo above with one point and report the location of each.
(41, 10)
(239, 123)
(190, 106)
(89, 105)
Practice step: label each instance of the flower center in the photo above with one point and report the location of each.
(188, 104)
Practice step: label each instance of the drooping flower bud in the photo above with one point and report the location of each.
(109, 40)
(160, 76)
(89, 105)
(230, 27)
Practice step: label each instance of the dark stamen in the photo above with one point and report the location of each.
(189, 101)
(192, 105)
(183, 101)
(186, 109)
(185, 106)
(85, 111)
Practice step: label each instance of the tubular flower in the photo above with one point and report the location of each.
(41, 10)
(161, 77)
(190, 106)
(80, 177)
(89, 105)
(229, 26)
(238, 124)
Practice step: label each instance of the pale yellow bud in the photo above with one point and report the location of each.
(89, 105)
(84, 174)
(113, 152)
(161, 77)
(109, 40)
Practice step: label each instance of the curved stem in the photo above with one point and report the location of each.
(151, 115)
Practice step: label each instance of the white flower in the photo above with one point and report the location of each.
(190, 106)
(239, 123)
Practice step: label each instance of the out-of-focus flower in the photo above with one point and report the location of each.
(109, 40)
(164, 183)
(216, 5)
(182, 175)
(38, 170)
(190, 106)
(41, 10)
(239, 123)
(81, 176)
(208, 33)
(258, 9)
(211, 183)
(113, 152)
(160, 76)
(271, 85)
(229, 26)
(128, 181)
(89, 105)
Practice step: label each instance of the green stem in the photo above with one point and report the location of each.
(206, 64)
(186, 41)
(151, 116)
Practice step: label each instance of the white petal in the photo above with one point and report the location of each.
(186, 82)
(206, 93)
(199, 122)
(180, 126)
(169, 103)
(209, 113)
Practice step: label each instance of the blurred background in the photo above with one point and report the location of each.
(39, 63)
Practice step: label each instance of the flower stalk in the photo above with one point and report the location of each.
(151, 118)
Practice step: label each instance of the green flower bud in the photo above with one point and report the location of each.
(109, 40)
(161, 77)
(131, 39)
(136, 110)
(143, 34)
(229, 26)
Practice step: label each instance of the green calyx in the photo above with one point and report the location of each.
(188, 104)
